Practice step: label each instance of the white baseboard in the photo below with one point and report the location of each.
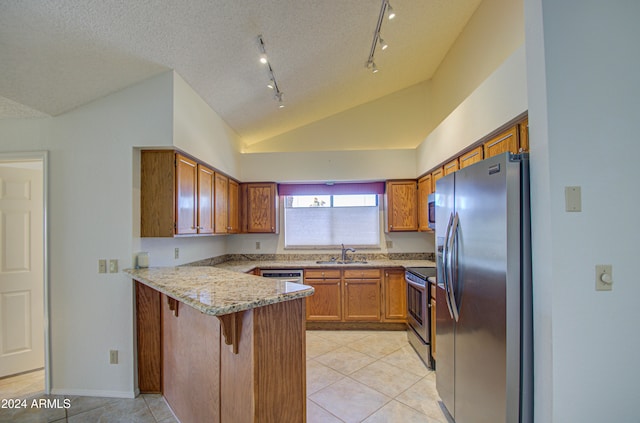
(94, 393)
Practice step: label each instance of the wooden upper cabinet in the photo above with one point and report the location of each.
(234, 207)
(471, 157)
(501, 143)
(260, 212)
(435, 175)
(451, 167)
(402, 210)
(424, 189)
(187, 195)
(524, 135)
(178, 195)
(205, 200)
(221, 204)
(157, 193)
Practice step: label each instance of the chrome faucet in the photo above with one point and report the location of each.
(344, 252)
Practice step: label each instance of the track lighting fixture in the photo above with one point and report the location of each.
(272, 84)
(390, 13)
(385, 8)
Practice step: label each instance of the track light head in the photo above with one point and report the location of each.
(383, 44)
(390, 13)
(374, 68)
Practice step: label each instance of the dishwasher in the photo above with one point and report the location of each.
(286, 275)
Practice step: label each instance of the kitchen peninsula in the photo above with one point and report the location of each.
(222, 345)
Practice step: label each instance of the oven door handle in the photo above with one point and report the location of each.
(417, 286)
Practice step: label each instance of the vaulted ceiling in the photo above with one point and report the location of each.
(56, 55)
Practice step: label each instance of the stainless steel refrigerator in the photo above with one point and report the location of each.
(484, 366)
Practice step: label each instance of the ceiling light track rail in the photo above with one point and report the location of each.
(273, 83)
(385, 9)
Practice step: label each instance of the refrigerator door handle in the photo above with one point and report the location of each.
(445, 255)
(450, 266)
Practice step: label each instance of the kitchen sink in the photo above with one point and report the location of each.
(341, 262)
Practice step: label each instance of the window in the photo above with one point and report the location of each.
(330, 220)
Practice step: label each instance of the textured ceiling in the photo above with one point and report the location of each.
(56, 55)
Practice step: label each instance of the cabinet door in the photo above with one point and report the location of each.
(234, 207)
(221, 208)
(435, 175)
(506, 141)
(157, 193)
(186, 194)
(402, 210)
(325, 304)
(524, 135)
(395, 296)
(362, 300)
(261, 208)
(451, 167)
(424, 189)
(205, 200)
(473, 156)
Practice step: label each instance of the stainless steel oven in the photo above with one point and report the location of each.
(418, 311)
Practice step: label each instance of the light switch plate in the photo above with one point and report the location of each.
(113, 266)
(113, 356)
(102, 266)
(573, 199)
(605, 270)
(176, 253)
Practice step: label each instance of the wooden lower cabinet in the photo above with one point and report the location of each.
(394, 293)
(361, 295)
(365, 295)
(182, 354)
(325, 305)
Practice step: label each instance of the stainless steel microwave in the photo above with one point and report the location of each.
(431, 211)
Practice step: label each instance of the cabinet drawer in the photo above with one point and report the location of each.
(321, 273)
(361, 273)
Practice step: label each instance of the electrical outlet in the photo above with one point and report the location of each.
(257, 245)
(113, 356)
(113, 266)
(176, 253)
(389, 244)
(102, 266)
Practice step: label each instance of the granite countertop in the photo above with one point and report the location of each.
(216, 291)
(245, 265)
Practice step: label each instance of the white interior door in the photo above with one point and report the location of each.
(21, 268)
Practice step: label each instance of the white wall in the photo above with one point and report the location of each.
(584, 92)
(362, 165)
(199, 131)
(94, 213)
(499, 99)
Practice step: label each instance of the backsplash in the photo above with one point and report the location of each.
(212, 261)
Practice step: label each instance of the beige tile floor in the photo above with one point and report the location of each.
(352, 376)
(370, 377)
